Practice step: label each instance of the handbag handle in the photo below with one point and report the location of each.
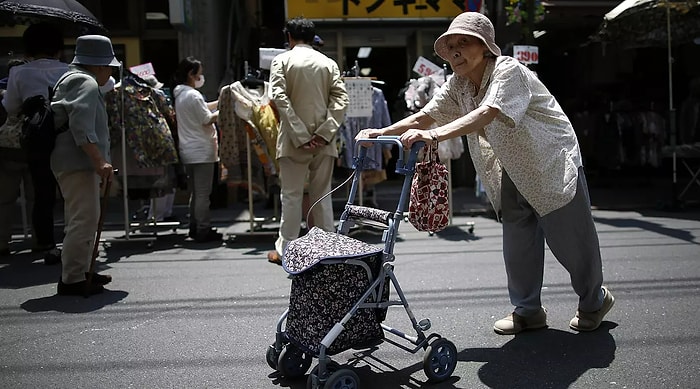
(431, 152)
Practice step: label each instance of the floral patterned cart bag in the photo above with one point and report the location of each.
(324, 290)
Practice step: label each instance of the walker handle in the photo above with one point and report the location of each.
(401, 168)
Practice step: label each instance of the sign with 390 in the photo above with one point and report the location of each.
(526, 54)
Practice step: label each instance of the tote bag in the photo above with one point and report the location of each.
(428, 208)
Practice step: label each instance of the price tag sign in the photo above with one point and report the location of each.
(425, 67)
(526, 54)
(143, 69)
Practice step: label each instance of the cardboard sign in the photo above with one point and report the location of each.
(526, 54)
(425, 67)
(143, 69)
(266, 55)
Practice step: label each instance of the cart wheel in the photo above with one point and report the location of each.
(331, 367)
(272, 356)
(293, 362)
(343, 379)
(440, 360)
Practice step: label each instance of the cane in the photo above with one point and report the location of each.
(95, 248)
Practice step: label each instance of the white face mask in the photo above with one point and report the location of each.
(108, 86)
(199, 83)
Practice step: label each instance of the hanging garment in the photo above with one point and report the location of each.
(254, 106)
(146, 124)
(352, 125)
(418, 93)
(654, 128)
(234, 145)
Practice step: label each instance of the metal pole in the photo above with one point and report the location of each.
(671, 109)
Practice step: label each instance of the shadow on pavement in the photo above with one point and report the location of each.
(544, 359)
(74, 304)
(27, 269)
(456, 233)
(539, 359)
(373, 372)
(684, 235)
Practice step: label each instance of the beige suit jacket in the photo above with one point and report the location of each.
(310, 96)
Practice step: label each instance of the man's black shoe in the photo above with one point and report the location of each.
(209, 236)
(79, 288)
(52, 257)
(100, 279)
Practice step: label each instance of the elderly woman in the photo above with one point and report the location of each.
(525, 150)
(81, 159)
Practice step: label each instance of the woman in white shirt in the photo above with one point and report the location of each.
(198, 144)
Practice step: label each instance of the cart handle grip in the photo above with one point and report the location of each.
(374, 214)
(393, 139)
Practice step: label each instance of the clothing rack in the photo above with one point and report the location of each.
(353, 74)
(129, 227)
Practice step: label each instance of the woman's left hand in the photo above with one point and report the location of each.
(412, 136)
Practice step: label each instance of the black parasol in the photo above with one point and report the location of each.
(70, 14)
(647, 23)
(655, 23)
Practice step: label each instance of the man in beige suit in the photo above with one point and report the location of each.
(311, 99)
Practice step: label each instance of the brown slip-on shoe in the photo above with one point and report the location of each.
(81, 288)
(100, 279)
(514, 323)
(274, 257)
(590, 321)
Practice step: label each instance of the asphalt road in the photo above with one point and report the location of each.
(185, 315)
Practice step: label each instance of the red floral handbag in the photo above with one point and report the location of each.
(428, 208)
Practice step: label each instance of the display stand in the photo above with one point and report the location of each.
(256, 224)
(255, 227)
(129, 235)
(358, 105)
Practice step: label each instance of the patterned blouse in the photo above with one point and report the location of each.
(531, 138)
(148, 119)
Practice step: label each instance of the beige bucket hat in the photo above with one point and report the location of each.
(468, 23)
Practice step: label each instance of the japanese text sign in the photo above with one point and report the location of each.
(360, 97)
(526, 54)
(377, 9)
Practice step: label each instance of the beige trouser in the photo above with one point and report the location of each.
(81, 195)
(293, 171)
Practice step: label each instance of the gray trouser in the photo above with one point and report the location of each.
(12, 175)
(200, 178)
(571, 235)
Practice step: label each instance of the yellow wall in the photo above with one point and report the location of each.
(333, 9)
(12, 32)
(133, 50)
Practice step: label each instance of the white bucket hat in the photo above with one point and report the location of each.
(152, 81)
(95, 50)
(468, 23)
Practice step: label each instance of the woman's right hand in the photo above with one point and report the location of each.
(369, 133)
